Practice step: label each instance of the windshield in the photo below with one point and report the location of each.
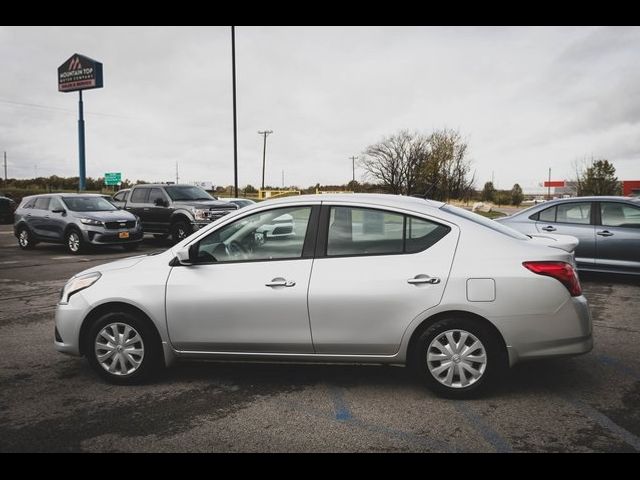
(188, 193)
(474, 217)
(88, 204)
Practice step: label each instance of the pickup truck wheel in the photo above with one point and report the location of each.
(180, 230)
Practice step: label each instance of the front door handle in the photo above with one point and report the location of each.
(280, 282)
(605, 233)
(549, 229)
(419, 279)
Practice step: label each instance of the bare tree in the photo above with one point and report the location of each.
(407, 163)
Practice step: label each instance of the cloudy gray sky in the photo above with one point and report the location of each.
(525, 98)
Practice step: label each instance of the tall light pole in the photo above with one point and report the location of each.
(5, 166)
(353, 167)
(235, 118)
(265, 134)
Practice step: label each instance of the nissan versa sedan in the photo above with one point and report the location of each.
(364, 279)
(608, 229)
(75, 220)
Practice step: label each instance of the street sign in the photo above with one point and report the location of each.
(113, 178)
(79, 73)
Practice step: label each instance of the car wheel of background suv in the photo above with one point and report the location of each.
(25, 239)
(74, 242)
(123, 349)
(459, 357)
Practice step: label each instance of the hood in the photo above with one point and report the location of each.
(117, 265)
(216, 204)
(110, 216)
(563, 242)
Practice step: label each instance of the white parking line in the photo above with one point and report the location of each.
(6, 233)
(69, 257)
(9, 261)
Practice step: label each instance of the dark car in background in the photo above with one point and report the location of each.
(75, 220)
(7, 209)
(608, 229)
(172, 209)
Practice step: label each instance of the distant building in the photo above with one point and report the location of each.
(631, 188)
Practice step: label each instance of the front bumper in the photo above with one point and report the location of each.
(104, 236)
(67, 324)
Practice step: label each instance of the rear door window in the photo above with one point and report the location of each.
(578, 213)
(140, 195)
(42, 203)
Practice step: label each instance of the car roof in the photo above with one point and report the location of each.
(163, 185)
(594, 198)
(378, 199)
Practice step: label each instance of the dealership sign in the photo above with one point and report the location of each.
(79, 73)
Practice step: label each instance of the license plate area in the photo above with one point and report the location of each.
(123, 235)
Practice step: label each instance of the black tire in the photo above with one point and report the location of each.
(130, 247)
(25, 239)
(161, 236)
(151, 360)
(180, 230)
(496, 357)
(74, 242)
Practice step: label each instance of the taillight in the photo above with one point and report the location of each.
(561, 271)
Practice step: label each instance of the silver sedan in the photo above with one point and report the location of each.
(608, 229)
(363, 279)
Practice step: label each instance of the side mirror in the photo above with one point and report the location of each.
(159, 202)
(188, 255)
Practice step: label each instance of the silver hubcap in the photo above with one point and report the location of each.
(74, 242)
(456, 358)
(24, 238)
(119, 349)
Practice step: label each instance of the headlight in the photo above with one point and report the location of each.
(201, 214)
(78, 283)
(91, 221)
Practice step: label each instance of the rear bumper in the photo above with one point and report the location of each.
(567, 332)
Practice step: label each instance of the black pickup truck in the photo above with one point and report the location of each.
(176, 210)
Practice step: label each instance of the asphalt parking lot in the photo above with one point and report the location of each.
(50, 402)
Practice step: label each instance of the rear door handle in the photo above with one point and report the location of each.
(280, 282)
(419, 279)
(549, 229)
(605, 233)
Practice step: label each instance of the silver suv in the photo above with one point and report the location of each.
(76, 220)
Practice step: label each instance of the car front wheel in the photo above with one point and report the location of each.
(122, 349)
(459, 357)
(75, 243)
(180, 231)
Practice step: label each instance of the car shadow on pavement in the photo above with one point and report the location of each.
(596, 277)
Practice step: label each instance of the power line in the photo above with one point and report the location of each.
(57, 109)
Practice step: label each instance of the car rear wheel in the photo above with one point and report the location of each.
(25, 239)
(123, 349)
(74, 242)
(459, 357)
(180, 230)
